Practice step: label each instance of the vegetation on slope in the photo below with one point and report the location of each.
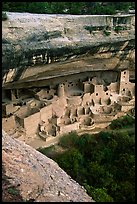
(103, 163)
(4, 16)
(68, 7)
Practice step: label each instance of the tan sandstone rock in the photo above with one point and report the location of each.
(38, 178)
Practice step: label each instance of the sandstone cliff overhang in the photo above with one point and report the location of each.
(36, 176)
(29, 39)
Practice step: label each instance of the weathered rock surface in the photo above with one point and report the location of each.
(37, 177)
(62, 43)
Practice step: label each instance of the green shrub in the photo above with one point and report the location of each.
(69, 140)
(72, 162)
(4, 16)
(100, 194)
(104, 135)
(89, 28)
(89, 8)
(46, 150)
(107, 32)
(122, 122)
(118, 28)
(13, 191)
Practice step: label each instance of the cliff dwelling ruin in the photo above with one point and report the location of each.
(81, 103)
(73, 73)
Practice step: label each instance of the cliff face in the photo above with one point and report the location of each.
(59, 44)
(41, 49)
(37, 177)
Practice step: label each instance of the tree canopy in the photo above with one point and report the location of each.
(68, 7)
(103, 163)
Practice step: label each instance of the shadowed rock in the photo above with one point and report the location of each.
(43, 39)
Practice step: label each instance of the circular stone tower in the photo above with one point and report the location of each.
(61, 91)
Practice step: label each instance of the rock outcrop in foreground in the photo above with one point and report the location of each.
(37, 177)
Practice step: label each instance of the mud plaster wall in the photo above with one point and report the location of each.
(87, 87)
(73, 111)
(125, 108)
(125, 76)
(58, 107)
(69, 128)
(46, 113)
(125, 87)
(80, 110)
(102, 118)
(50, 129)
(9, 108)
(45, 93)
(19, 121)
(96, 97)
(113, 87)
(99, 94)
(68, 86)
(85, 120)
(41, 94)
(31, 124)
(103, 97)
(74, 101)
(65, 121)
(105, 100)
(99, 89)
(86, 99)
(8, 123)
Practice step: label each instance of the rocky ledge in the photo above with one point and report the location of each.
(37, 177)
(93, 42)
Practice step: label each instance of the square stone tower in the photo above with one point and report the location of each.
(124, 82)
